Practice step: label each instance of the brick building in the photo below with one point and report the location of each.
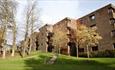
(102, 19)
(46, 32)
(64, 26)
(44, 38)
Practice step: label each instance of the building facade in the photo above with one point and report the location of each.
(103, 20)
(44, 38)
(64, 26)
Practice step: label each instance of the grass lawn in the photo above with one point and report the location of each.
(36, 62)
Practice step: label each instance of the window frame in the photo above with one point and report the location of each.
(92, 17)
(95, 48)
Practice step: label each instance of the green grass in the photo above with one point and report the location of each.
(35, 61)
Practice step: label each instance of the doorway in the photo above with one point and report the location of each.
(73, 51)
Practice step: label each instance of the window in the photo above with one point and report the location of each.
(81, 49)
(68, 28)
(112, 21)
(110, 10)
(69, 36)
(114, 45)
(41, 44)
(92, 17)
(81, 21)
(50, 34)
(113, 33)
(94, 26)
(95, 48)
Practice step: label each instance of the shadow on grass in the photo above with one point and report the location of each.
(67, 64)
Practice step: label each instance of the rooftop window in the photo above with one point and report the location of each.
(92, 17)
(110, 10)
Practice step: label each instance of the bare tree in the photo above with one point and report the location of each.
(31, 19)
(7, 17)
(33, 22)
(14, 27)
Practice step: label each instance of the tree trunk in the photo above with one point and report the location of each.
(4, 53)
(13, 51)
(25, 45)
(46, 48)
(4, 42)
(77, 48)
(87, 51)
(68, 50)
(23, 52)
(14, 40)
(13, 48)
(59, 50)
(30, 47)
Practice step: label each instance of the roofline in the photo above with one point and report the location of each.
(111, 5)
(66, 18)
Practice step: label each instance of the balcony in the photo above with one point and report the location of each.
(113, 33)
(94, 26)
(111, 12)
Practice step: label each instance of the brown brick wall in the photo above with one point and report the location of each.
(102, 21)
(101, 18)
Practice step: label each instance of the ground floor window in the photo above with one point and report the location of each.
(81, 49)
(114, 45)
(95, 48)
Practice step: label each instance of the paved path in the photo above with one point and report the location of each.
(52, 60)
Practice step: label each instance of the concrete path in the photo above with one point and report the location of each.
(52, 60)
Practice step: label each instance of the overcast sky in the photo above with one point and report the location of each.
(52, 11)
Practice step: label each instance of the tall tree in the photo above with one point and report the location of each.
(31, 20)
(87, 36)
(14, 26)
(59, 38)
(7, 17)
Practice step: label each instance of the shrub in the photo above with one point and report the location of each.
(82, 54)
(106, 53)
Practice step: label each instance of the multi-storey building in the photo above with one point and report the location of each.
(102, 19)
(46, 32)
(64, 26)
(45, 38)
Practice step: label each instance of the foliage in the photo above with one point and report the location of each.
(31, 24)
(100, 54)
(86, 36)
(106, 53)
(59, 38)
(7, 19)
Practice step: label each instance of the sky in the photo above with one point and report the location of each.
(52, 11)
